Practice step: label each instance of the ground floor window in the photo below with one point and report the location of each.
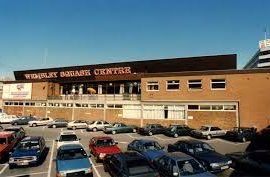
(132, 111)
(164, 112)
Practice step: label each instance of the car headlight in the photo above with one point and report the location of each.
(34, 158)
(11, 160)
(89, 170)
(229, 162)
(101, 155)
(214, 164)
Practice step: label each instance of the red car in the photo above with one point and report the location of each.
(7, 142)
(103, 145)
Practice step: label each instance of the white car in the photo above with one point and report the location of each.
(67, 137)
(5, 118)
(42, 121)
(98, 125)
(77, 124)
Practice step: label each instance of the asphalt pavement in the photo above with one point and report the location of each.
(47, 168)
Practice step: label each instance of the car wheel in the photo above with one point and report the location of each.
(34, 125)
(244, 139)
(10, 166)
(150, 133)
(54, 126)
(94, 129)
(208, 137)
(113, 132)
(73, 128)
(175, 135)
(134, 130)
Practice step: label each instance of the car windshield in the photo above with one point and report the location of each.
(137, 167)
(3, 141)
(71, 154)
(105, 142)
(68, 138)
(189, 167)
(173, 128)
(152, 146)
(28, 145)
(200, 148)
(203, 128)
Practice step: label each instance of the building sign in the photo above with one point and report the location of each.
(78, 73)
(264, 43)
(18, 91)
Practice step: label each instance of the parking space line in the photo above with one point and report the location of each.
(97, 166)
(94, 167)
(123, 142)
(4, 168)
(62, 129)
(37, 173)
(131, 136)
(51, 160)
(233, 143)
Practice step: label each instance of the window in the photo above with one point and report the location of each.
(195, 84)
(152, 86)
(217, 107)
(193, 107)
(229, 107)
(205, 107)
(217, 84)
(173, 85)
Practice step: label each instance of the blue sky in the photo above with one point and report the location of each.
(79, 32)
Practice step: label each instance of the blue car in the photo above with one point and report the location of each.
(72, 160)
(28, 152)
(148, 148)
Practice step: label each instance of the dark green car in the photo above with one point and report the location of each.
(120, 128)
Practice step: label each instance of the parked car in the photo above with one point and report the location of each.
(179, 164)
(177, 130)
(97, 125)
(58, 123)
(151, 129)
(208, 132)
(6, 119)
(19, 132)
(72, 160)
(77, 124)
(128, 164)
(120, 128)
(102, 146)
(67, 137)
(242, 134)
(22, 120)
(42, 121)
(259, 141)
(148, 148)
(30, 151)
(203, 152)
(7, 142)
(256, 163)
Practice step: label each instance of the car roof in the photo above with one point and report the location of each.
(70, 146)
(131, 155)
(102, 137)
(191, 141)
(31, 138)
(178, 156)
(67, 133)
(6, 133)
(143, 141)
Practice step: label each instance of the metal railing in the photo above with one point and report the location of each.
(98, 97)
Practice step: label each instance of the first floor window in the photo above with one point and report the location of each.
(218, 84)
(173, 85)
(195, 84)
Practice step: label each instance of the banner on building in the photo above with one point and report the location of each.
(19, 91)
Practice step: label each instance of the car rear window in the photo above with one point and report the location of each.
(190, 167)
(68, 138)
(71, 154)
(105, 142)
(137, 167)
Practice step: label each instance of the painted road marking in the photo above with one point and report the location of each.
(37, 173)
(131, 136)
(4, 168)
(62, 129)
(123, 142)
(94, 167)
(51, 160)
(233, 143)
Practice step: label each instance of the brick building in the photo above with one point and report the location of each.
(193, 91)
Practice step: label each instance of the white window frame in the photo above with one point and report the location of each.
(194, 89)
(218, 82)
(174, 82)
(152, 83)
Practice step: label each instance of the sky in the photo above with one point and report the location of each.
(38, 34)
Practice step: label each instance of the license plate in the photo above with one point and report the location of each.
(224, 167)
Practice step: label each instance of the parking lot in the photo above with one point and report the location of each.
(47, 168)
